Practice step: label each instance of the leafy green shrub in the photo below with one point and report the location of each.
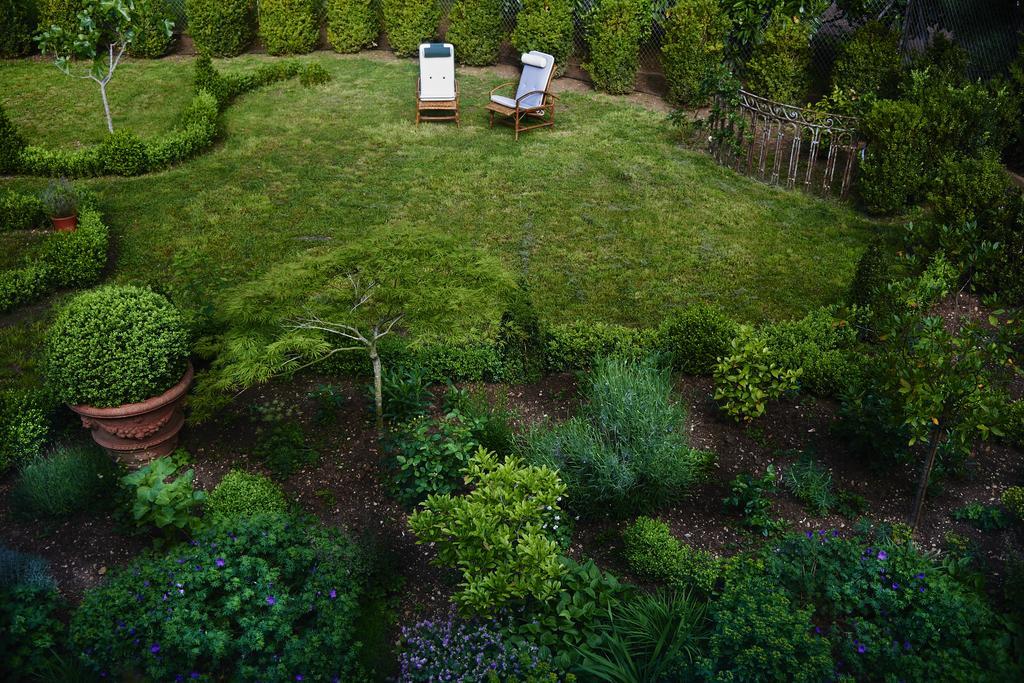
(115, 344)
(811, 483)
(406, 393)
(314, 73)
(123, 153)
(12, 144)
(873, 273)
(476, 29)
(24, 426)
(151, 19)
(288, 27)
(580, 345)
(892, 174)
(63, 13)
(17, 25)
(627, 449)
(490, 423)
(696, 337)
(983, 517)
(20, 211)
(428, 456)
(161, 503)
(243, 494)
(283, 449)
(871, 591)
(329, 399)
(352, 24)
(268, 598)
(747, 378)
(409, 23)
(653, 637)
(760, 634)
(818, 346)
(28, 607)
(546, 26)
(1013, 500)
(615, 31)
(501, 535)
(779, 67)
(749, 497)
(692, 50)
(66, 480)
(221, 28)
(870, 62)
(655, 554)
(971, 189)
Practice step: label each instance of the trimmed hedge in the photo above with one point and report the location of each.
(615, 30)
(893, 171)
(150, 40)
(24, 426)
(409, 23)
(695, 35)
(12, 144)
(870, 62)
(476, 30)
(779, 69)
(221, 28)
(289, 27)
(66, 259)
(63, 13)
(656, 555)
(17, 24)
(546, 26)
(352, 24)
(20, 211)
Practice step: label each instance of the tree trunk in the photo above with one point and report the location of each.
(106, 106)
(378, 393)
(926, 473)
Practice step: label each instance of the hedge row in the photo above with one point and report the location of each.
(125, 154)
(65, 259)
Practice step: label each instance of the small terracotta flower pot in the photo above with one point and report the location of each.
(65, 224)
(136, 433)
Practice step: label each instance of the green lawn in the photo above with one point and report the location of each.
(608, 218)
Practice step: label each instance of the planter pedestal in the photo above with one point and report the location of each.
(136, 433)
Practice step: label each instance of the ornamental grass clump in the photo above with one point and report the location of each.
(114, 345)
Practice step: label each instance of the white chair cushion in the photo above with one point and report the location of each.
(504, 101)
(534, 59)
(437, 75)
(534, 78)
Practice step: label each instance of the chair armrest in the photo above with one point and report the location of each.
(503, 85)
(546, 93)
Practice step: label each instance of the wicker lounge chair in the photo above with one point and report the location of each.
(437, 92)
(534, 103)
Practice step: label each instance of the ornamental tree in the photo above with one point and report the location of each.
(105, 30)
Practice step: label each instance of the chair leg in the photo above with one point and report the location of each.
(491, 124)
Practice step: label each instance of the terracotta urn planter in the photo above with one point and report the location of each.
(136, 433)
(65, 224)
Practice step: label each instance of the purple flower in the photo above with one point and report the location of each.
(333, 594)
(298, 677)
(895, 586)
(919, 576)
(271, 600)
(861, 648)
(809, 534)
(906, 644)
(154, 648)
(219, 562)
(882, 555)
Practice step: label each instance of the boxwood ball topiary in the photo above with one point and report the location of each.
(221, 28)
(244, 494)
(115, 345)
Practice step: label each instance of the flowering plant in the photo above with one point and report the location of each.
(268, 598)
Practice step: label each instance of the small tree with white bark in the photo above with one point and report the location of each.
(105, 30)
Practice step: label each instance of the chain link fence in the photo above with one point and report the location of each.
(989, 30)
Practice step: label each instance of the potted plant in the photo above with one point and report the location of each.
(118, 356)
(60, 201)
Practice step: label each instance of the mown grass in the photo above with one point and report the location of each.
(607, 217)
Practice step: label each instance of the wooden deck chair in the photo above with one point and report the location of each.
(534, 102)
(437, 92)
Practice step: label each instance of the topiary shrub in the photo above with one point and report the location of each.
(151, 18)
(409, 23)
(1013, 499)
(243, 494)
(12, 143)
(893, 171)
(267, 598)
(972, 189)
(655, 554)
(24, 426)
(123, 153)
(615, 30)
(476, 29)
(696, 337)
(779, 67)
(17, 25)
(221, 28)
(352, 24)
(873, 273)
(66, 480)
(870, 62)
(546, 26)
(692, 50)
(20, 211)
(114, 345)
(288, 27)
